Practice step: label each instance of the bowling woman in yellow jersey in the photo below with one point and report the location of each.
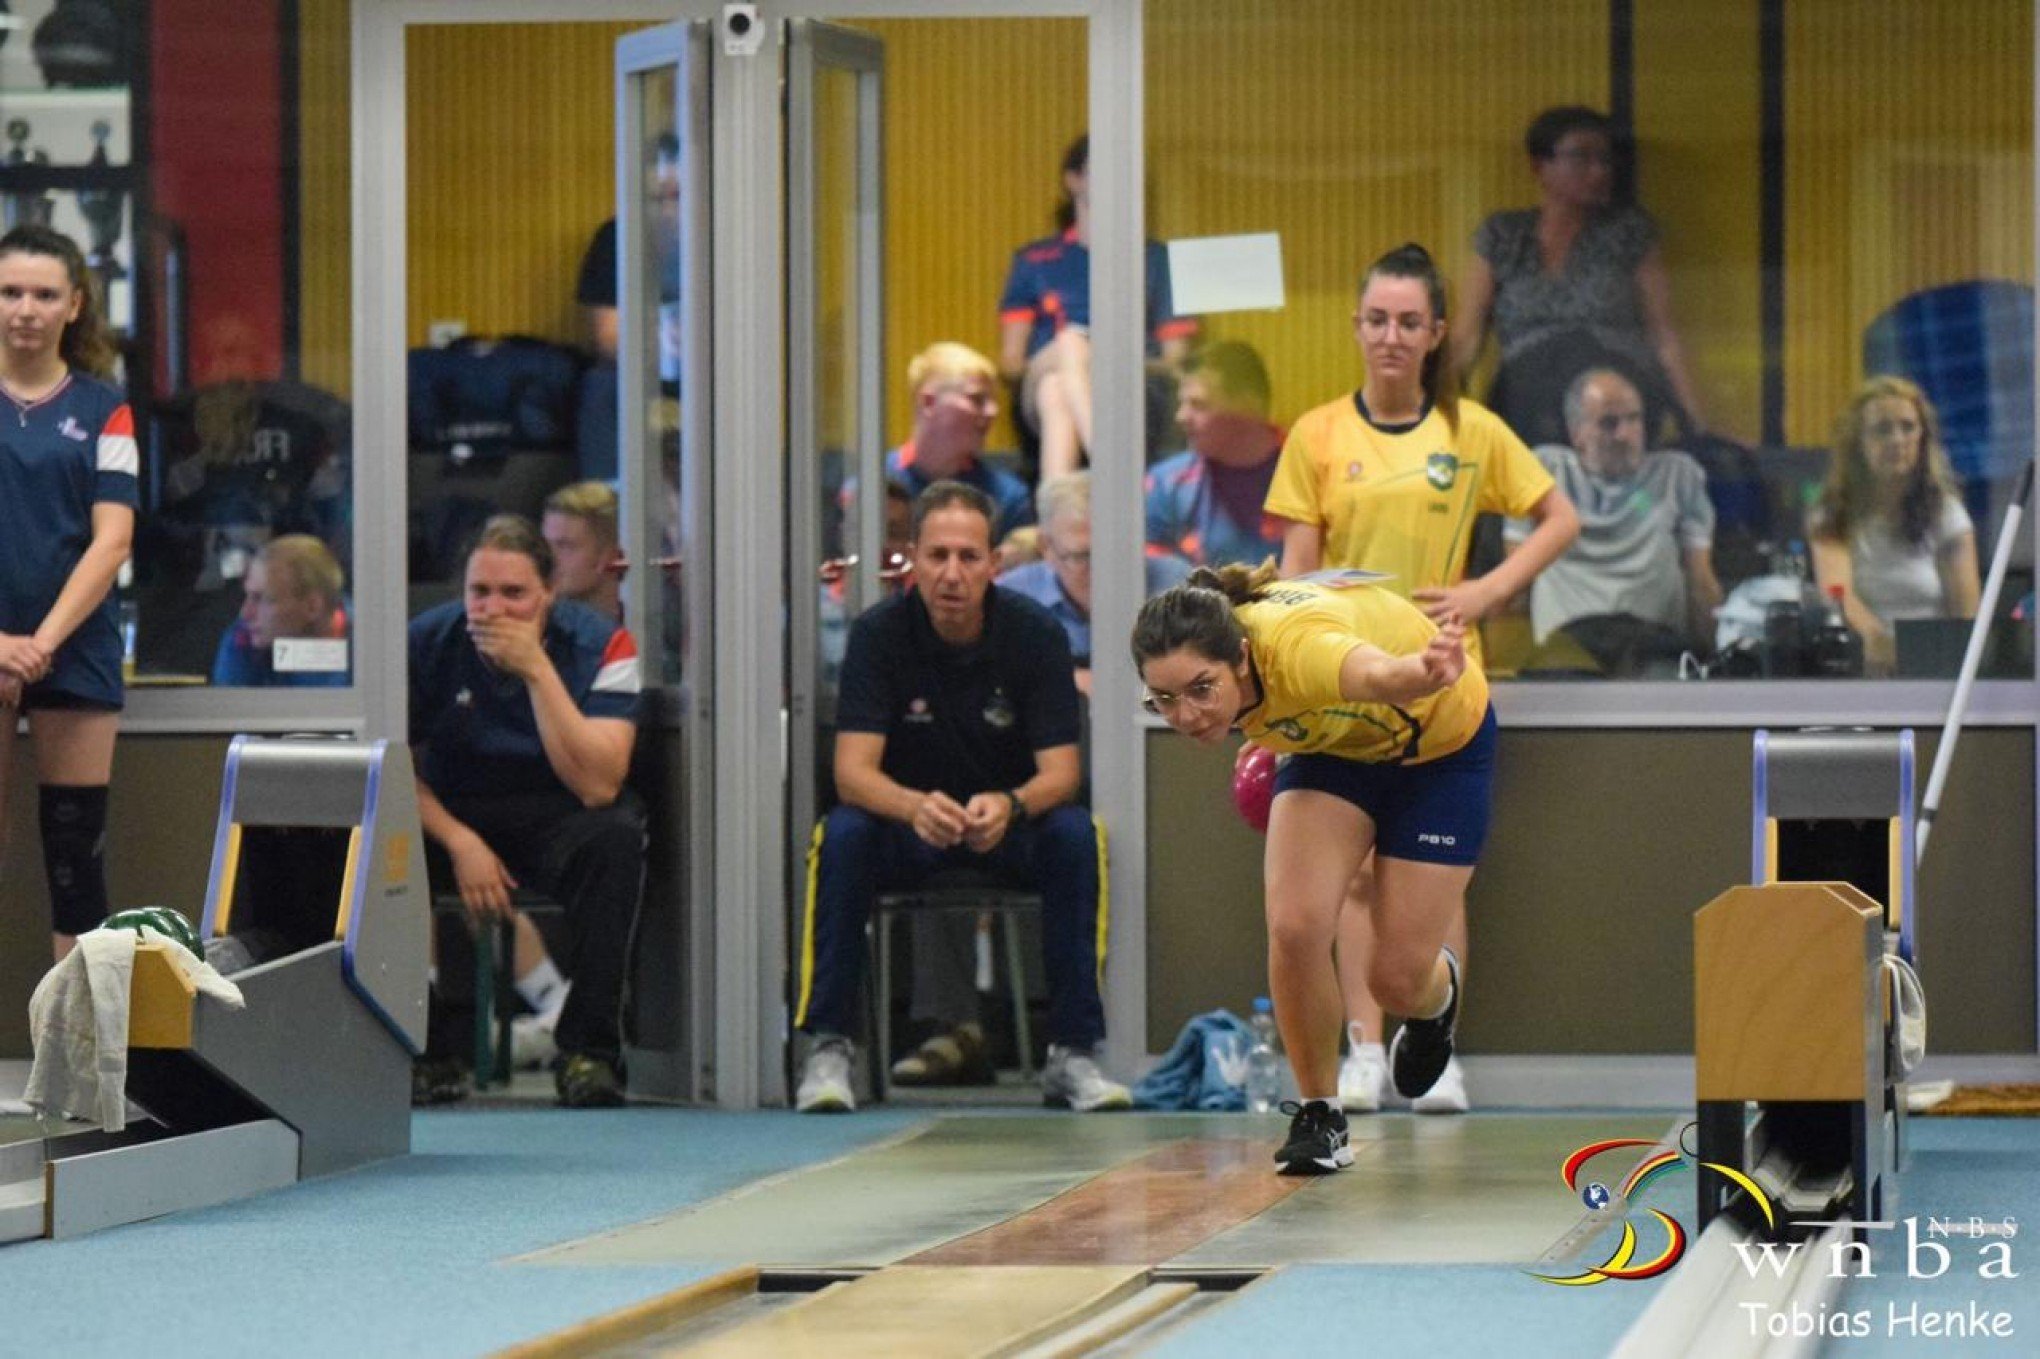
(1391, 744)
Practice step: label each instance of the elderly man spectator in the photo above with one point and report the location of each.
(579, 525)
(1645, 550)
(956, 744)
(1204, 504)
(294, 589)
(523, 717)
(1061, 581)
(955, 401)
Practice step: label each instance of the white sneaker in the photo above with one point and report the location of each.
(1447, 1096)
(825, 1079)
(1362, 1078)
(1072, 1080)
(531, 1042)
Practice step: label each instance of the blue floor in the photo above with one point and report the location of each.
(1963, 1170)
(401, 1258)
(406, 1258)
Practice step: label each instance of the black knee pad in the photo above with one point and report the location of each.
(74, 855)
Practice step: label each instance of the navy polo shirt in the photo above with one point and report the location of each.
(474, 726)
(966, 719)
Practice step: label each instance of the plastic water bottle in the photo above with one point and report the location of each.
(1264, 1065)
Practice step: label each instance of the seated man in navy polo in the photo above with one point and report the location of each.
(955, 395)
(294, 589)
(1061, 581)
(523, 715)
(956, 744)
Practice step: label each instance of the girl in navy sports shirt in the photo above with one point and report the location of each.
(68, 468)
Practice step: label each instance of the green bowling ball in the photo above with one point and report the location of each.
(164, 921)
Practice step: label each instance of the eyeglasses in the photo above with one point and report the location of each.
(1608, 424)
(1199, 693)
(1074, 559)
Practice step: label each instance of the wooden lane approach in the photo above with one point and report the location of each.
(903, 1312)
(1063, 1278)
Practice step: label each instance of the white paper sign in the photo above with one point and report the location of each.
(1225, 273)
(309, 655)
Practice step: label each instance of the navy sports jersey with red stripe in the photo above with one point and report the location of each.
(58, 458)
(1049, 287)
(473, 724)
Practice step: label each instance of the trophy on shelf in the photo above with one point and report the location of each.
(102, 212)
(33, 206)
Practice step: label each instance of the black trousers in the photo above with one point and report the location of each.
(592, 862)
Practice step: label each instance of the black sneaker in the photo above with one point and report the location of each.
(586, 1082)
(439, 1080)
(1422, 1047)
(1318, 1142)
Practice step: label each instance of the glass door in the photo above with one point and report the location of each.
(662, 381)
(839, 555)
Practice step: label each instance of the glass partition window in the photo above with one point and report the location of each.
(211, 201)
(1755, 293)
(659, 300)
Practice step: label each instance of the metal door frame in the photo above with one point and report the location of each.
(748, 367)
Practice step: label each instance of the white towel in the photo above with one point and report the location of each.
(78, 1022)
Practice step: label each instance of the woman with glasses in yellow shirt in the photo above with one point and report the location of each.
(1390, 479)
(1391, 744)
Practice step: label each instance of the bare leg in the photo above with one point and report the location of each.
(1413, 911)
(1076, 375)
(1060, 448)
(73, 748)
(1315, 845)
(1356, 953)
(529, 950)
(1060, 391)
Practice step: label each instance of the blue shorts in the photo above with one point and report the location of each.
(1434, 813)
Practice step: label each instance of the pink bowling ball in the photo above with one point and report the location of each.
(1253, 786)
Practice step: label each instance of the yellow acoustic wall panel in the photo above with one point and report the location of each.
(325, 330)
(1909, 163)
(1697, 121)
(509, 170)
(978, 114)
(1348, 130)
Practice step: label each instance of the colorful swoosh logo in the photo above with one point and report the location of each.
(1622, 1262)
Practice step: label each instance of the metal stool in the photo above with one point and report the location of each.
(496, 980)
(950, 890)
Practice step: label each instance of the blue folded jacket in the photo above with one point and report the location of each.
(1205, 1068)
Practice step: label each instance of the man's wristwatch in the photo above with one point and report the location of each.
(1019, 813)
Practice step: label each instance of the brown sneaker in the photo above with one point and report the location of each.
(954, 1058)
(586, 1082)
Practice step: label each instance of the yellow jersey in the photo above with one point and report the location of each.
(1299, 634)
(1403, 503)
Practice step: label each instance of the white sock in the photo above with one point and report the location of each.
(538, 985)
(1356, 1036)
(1451, 990)
(549, 1017)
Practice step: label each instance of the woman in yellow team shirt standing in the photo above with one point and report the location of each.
(1391, 745)
(1390, 479)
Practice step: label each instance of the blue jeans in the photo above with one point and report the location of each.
(855, 855)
